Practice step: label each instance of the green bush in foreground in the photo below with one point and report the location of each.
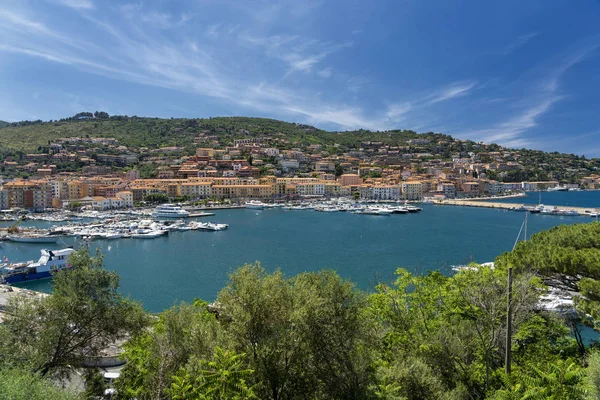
(20, 384)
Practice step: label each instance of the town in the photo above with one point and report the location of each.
(110, 175)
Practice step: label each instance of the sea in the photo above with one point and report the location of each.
(366, 249)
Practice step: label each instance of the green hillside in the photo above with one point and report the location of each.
(3, 124)
(156, 132)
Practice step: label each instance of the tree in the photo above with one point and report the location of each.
(85, 313)
(567, 255)
(223, 377)
(156, 355)
(258, 314)
(22, 384)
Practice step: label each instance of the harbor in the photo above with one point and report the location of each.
(364, 248)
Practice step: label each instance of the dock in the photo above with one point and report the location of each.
(509, 206)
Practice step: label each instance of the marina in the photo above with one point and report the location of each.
(184, 265)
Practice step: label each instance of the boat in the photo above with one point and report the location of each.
(209, 226)
(254, 205)
(169, 211)
(33, 238)
(50, 261)
(375, 211)
(111, 235)
(148, 234)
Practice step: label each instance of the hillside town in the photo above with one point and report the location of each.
(111, 175)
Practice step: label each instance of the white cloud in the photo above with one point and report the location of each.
(539, 100)
(397, 111)
(518, 43)
(77, 4)
(456, 89)
(325, 73)
(159, 19)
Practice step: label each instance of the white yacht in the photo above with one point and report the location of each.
(170, 211)
(255, 205)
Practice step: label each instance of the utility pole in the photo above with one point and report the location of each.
(509, 322)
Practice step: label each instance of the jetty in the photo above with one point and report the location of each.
(511, 206)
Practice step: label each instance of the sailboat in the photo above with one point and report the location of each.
(539, 207)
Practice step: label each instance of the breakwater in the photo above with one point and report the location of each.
(509, 206)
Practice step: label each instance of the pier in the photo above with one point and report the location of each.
(509, 206)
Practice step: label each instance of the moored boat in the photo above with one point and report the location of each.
(169, 211)
(254, 205)
(33, 238)
(50, 261)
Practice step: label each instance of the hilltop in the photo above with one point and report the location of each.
(3, 124)
(135, 131)
(142, 136)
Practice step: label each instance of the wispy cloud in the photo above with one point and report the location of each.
(77, 4)
(542, 94)
(325, 73)
(456, 89)
(518, 43)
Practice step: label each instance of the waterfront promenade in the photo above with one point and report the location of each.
(507, 206)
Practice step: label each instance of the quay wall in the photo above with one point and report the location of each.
(505, 206)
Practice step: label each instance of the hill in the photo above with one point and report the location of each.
(3, 124)
(135, 131)
(141, 134)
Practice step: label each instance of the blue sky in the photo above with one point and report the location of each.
(518, 73)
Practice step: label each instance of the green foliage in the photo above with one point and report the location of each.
(84, 315)
(223, 377)
(158, 198)
(157, 354)
(94, 383)
(561, 380)
(567, 253)
(305, 336)
(593, 375)
(21, 384)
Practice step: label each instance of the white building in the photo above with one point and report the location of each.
(127, 198)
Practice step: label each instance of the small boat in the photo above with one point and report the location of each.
(209, 226)
(33, 238)
(111, 235)
(148, 234)
(50, 261)
(254, 205)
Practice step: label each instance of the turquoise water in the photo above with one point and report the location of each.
(365, 249)
(584, 198)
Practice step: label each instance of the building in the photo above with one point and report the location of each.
(3, 199)
(350, 180)
(448, 189)
(288, 165)
(242, 191)
(196, 190)
(324, 166)
(310, 189)
(127, 197)
(411, 190)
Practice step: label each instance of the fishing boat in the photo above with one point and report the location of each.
(50, 261)
(169, 211)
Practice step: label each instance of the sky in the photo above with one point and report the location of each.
(517, 73)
